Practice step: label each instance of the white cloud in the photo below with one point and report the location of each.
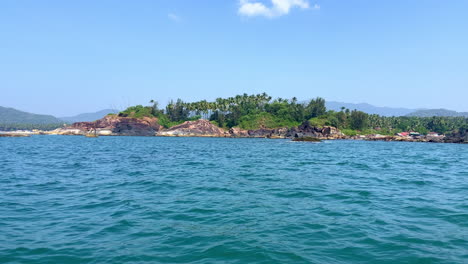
(278, 7)
(316, 7)
(174, 17)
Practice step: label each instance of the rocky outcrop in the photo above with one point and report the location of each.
(307, 130)
(203, 128)
(67, 131)
(113, 125)
(237, 132)
(304, 130)
(198, 128)
(260, 133)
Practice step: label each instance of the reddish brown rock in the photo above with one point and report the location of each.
(121, 126)
(199, 128)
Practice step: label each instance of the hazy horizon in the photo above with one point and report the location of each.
(121, 108)
(64, 58)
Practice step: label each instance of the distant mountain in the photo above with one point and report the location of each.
(370, 109)
(437, 112)
(88, 117)
(13, 116)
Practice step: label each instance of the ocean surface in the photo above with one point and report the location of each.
(66, 199)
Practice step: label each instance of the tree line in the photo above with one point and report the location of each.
(371, 123)
(262, 111)
(246, 111)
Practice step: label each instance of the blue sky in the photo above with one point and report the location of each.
(69, 57)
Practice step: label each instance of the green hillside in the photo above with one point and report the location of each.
(13, 116)
(12, 119)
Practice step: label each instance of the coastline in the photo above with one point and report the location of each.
(112, 126)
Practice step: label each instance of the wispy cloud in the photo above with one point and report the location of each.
(174, 17)
(252, 8)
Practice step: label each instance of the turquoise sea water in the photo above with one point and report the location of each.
(213, 200)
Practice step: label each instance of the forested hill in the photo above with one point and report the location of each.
(13, 116)
(438, 112)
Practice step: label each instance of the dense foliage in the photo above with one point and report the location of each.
(245, 111)
(353, 122)
(262, 111)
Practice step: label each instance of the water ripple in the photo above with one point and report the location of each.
(211, 200)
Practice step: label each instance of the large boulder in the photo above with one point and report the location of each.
(199, 128)
(260, 133)
(307, 130)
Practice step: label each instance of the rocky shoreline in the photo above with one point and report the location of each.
(113, 125)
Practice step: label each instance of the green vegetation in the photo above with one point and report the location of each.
(138, 111)
(261, 111)
(244, 111)
(357, 122)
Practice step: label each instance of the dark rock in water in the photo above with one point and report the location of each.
(260, 133)
(307, 130)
